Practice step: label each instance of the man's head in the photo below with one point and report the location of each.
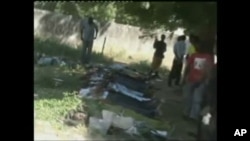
(90, 20)
(183, 38)
(194, 39)
(163, 37)
(197, 43)
(203, 47)
(179, 38)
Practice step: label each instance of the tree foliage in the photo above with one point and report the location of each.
(190, 15)
(194, 16)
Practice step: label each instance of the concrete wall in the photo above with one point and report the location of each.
(121, 40)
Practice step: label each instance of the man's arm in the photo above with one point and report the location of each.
(211, 100)
(208, 69)
(154, 45)
(188, 66)
(81, 29)
(183, 50)
(175, 50)
(96, 31)
(165, 47)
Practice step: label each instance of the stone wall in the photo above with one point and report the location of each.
(121, 40)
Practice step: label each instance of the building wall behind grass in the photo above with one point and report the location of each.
(122, 41)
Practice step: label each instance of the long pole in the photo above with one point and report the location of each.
(103, 46)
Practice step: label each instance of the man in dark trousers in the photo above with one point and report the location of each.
(179, 52)
(207, 129)
(198, 68)
(88, 33)
(160, 47)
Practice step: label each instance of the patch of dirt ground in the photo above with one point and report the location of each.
(43, 130)
(172, 110)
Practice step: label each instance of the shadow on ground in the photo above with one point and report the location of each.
(55, 48)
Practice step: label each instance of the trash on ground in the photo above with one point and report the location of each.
(117, 66)
(131, 93)
(123, 122)
(128, 125)
(108, 115)
(43, 60)
(160, 133)
(93, 93)
(50, 61)
(35, 95)
(58, 81)
(99, 124)
(78, 116)
(132, 131)
(120, 85)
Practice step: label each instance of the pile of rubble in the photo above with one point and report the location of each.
(117, 84)
(120, 85)
(114, 124)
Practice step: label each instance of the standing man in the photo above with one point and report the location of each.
(190, 49)
(207, 125)
(207, 121)
(193, 40)
(198, 70)
(88, 33)
(179, 52)
(160, 47)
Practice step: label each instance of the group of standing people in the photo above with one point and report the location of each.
(195, 70)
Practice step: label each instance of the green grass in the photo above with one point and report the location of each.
(54, 102)
(54, 48)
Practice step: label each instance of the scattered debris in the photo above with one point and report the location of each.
(44, 60)
(50, 61)
(131, 93)
(58, 81)
(117, 66)
(120, 85)
(125, 124)
(35, 95)
(78, 116)
(124, 87)
(132, 131)
(93, 93)
(98, 124)
(160, 133)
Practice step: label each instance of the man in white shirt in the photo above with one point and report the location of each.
(179, 52)
(89, 31)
